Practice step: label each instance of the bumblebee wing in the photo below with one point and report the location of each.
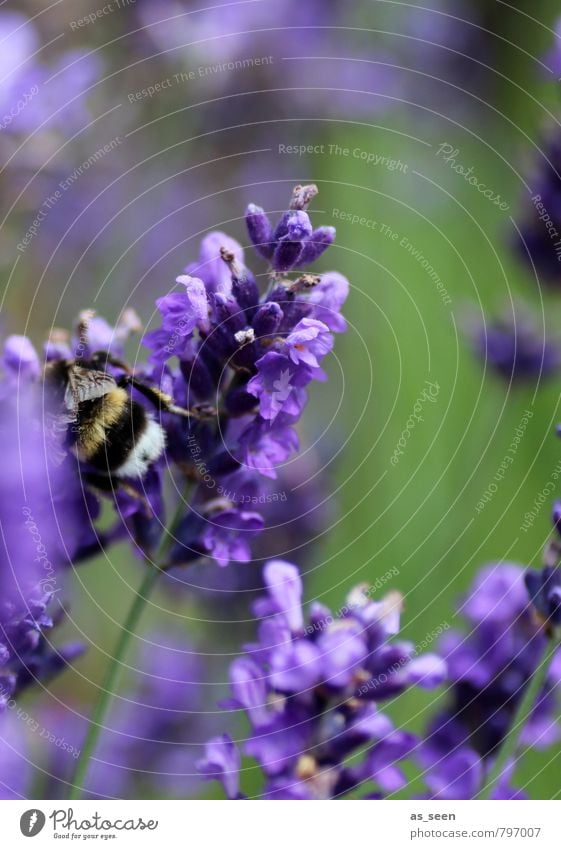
(86, 385)
(55, 428)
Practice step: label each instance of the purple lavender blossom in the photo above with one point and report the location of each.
(210, 267)
(182, 313)
(487, 672)
(264, 448)
(228, 533)
(293, 243)
(285, 370)
(328, 297)
(279, 386)
(26, 653)
(312, 694)
(309, 342)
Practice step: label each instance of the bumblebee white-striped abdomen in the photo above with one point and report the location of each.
(148, 448)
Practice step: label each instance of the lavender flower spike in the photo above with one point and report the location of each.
(312, 693)
(241, 361)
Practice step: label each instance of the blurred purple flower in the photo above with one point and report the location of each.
(154, 735)
(20, 358)
(38, 509)
(488, 670)
(36, 96)
(224, 36)
(553, 56)
(539, 244)
(515, 350)
(544, 589)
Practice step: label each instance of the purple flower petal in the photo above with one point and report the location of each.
(227, 535)
(210, 267)
(222, 761)
(260, 230)
(284, 584)
(328, 297)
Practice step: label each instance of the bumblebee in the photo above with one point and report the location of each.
(91, 414)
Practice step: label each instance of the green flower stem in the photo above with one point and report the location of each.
(108, 686)
(107, 690)
(510, 743)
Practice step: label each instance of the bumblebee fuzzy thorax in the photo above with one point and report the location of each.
(95, 424)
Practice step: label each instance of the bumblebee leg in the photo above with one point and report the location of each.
(162, 401)
(107, 483)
